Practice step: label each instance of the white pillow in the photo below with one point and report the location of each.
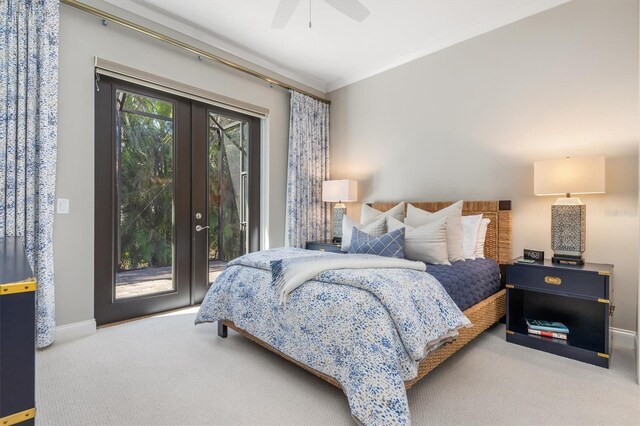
(375, 229)
(427, 243)
(453, 213)
(482, 235)
(470, 228)
(369, 214)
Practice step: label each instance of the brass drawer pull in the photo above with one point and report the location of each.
(552, 280)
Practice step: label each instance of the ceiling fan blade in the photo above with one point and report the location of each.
(284, 12)
(352, 8)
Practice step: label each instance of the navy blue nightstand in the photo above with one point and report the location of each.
(578, 296)
(17, 335)
(327, 245)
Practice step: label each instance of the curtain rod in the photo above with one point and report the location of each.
(175, 42)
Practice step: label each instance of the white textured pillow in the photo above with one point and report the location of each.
(470, 228)
(427, 243)
(369, 214)
(482, 235)
(453, 213)
(375, 229)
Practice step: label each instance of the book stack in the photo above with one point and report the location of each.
(553, 329)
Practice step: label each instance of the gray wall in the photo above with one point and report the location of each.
(82, 37)
(467, 123)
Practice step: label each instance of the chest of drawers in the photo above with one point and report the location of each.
(17, 335)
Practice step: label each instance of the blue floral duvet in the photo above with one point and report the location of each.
(367, 328)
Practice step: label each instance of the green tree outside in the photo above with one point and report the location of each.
(145, 173)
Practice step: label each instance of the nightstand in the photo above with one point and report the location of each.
(326, 245)
(578, 296)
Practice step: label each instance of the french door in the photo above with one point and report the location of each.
(225, 188)
(176, 198)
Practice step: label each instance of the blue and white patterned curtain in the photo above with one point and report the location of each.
(307, 217)
(28, 138)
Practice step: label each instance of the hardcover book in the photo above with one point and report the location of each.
(552, 334)
(547, 326)
(555, 341)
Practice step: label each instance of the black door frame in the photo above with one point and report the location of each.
(191, 137)
(107, 308)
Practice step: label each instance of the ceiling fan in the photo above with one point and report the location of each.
(352, 8)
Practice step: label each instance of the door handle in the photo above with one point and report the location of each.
(200, 228)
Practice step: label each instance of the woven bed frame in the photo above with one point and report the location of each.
(483, 314)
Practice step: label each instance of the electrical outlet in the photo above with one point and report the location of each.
(62, 206)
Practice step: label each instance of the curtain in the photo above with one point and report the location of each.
(28, 133)
(307, 216)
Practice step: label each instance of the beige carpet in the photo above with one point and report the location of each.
(164, 370)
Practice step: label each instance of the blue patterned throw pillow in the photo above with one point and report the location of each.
(390, 244)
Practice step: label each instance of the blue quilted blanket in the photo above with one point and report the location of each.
(468, 282)
(367, 328)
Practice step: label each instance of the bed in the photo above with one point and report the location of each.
(483, 308)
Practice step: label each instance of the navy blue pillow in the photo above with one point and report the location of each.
(390, 244)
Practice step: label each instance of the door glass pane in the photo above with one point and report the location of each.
(228, 201)
(145, 192)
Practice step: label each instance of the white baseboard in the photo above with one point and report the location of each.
(76, 330)
(64, 333)
(623, 338)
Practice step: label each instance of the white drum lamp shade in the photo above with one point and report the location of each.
(339, 191)
(567, 176)
(573, 175)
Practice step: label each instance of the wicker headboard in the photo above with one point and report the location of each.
(497, 245)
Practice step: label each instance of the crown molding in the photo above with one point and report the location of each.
(513, 14)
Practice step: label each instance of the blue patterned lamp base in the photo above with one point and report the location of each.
(339, 210)
(568, 230)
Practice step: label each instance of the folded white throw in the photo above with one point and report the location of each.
(289, 274)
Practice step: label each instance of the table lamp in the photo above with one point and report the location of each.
(567, 176)
(339, 191)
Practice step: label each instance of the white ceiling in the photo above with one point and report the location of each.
(336, 51)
